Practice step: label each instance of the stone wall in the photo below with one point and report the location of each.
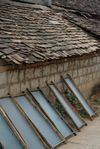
(85, 72)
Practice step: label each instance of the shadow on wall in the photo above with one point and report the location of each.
(95, 90)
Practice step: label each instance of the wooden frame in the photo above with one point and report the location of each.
(31, 96)
(46, 118)
(44, 141)
(84, 123)
(13, 128)
(69, 77)
(34, 128)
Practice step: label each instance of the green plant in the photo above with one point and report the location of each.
(83, 113)
(95, 99)
(59, 108)
(97, 102)
(71, 98)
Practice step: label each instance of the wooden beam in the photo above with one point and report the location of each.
(35, 129)
(13, 128)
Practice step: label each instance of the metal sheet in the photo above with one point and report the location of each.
(80, 97)
(40, 122)
(21, 124)
(50, 111)
(7, 137)
(76, 119)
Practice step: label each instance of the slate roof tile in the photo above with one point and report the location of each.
(29, 35)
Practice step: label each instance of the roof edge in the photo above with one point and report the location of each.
(39, 64)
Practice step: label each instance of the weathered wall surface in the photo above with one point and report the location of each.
(86, 73)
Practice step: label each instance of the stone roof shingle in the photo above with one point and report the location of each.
(85, 14)
(30, 35)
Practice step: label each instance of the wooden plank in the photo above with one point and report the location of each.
(17, 134)
(31, 123)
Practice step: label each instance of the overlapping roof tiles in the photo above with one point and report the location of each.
(32, 35)
(85, 13)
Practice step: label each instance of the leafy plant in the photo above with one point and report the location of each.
(83, 113)
(73, 100)
(95, 99)
(59, 108)
(97, 102)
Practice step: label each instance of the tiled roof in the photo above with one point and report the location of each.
(88, 22)
(29, 35)
(91, 6)
(85, 13)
